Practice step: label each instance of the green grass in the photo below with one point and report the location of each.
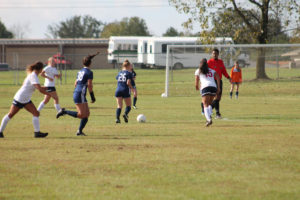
(253, 153)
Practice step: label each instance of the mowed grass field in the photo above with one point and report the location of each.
(252, 153)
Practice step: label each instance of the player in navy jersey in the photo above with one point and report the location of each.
(124, 79)
(83, 83)
(134, 90)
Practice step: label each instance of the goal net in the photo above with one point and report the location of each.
(277, 61)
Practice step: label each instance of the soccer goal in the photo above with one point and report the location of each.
(181, 61)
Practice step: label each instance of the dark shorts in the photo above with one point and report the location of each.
(221, 86)
(20, 105)
(122, 93)
(211, 91)
(79, 97)
(50, 89)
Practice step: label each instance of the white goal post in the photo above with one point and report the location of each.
(173, 51)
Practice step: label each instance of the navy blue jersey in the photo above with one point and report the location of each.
(82, 79)
(122, 78)
(133, 76)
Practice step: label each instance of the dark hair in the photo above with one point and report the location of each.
(35, 66)
(203, 66)
(87, 61)
(216, 50)
(126, 63)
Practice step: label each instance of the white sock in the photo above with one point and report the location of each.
(210, 110)
(41, 106)
(36, 124)
(206, 113)
(57, 107)
(4, 122)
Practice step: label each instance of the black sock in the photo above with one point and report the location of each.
(134, 100)
(237, 93)
(230, 94)
(82, 124)
(202, 108)
(217, 106)
(127, 110)
(71, 113)
(118, 113)
(213, 104)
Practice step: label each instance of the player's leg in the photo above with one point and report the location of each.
(119, 108)
(237, 90)
(217, 101)
(231, 89)
(56, 100)
(127, 109)
(83, 113)
(30, 107)
(78, 99)
(44, 102)
(13, 110)
(134, 90)
(206, 104)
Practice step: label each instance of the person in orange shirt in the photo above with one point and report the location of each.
(217, 64)
(236, 79)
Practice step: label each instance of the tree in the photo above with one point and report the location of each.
(77, 27)
(295, 36)
(171, 32)
(4, 33)
(133, 26)
(19, 30)
(202, 11)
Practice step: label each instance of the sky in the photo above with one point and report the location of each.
(34, 16)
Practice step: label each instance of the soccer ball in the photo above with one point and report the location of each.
(141, 118)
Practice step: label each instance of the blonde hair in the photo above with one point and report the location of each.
(50, 60)
(126, 63)
(35, 66)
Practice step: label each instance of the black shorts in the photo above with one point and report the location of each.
(20, 105)
(50, 89)
(123, 93)
(211, 91)
(221, 86)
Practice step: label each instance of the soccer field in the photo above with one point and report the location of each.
(252, 153)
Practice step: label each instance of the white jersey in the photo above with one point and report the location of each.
(207, 80)
(50, 72)
(25, 92)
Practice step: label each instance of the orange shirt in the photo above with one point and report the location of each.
(236, 75)
(218, 66)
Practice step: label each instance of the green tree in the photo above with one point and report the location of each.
(77, 27)
(203, 11)
(4, 33)
(133, 26)
(171, 32)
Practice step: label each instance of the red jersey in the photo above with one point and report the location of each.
(218, 66)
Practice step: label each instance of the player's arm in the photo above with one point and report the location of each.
(90, 88)
(217, 78)
(43, 74)
(57, 75)
(224, 72)
(41, 89)
(197, 82)
(129, 83)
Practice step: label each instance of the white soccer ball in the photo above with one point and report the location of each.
(141, 118)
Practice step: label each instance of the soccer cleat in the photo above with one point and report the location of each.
(125, 118)
(60, 113)
(40, 134)
(236, 96)
(218, 116)
(202, 113)
(80, 133)
(208, 123)
(118, 121)
(134, 107)
(1, 135)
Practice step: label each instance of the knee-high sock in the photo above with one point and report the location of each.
(118, 113)
(4, 122)
(127, 110)
(202, 108)
(217, 106)
(213, 104)
(36, 124)
(71, 113)
(41, 106)
(206, 113)
(134, 100)
(57, 107)
(82, 124)
(210, 110)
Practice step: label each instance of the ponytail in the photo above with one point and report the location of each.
(203, 67)
(38, 66)
(126, 63)
(87, 61)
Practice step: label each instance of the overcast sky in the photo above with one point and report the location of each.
(35, 15)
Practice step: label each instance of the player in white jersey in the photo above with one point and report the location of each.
(50, 73)
(22, 99)
(208, 89)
